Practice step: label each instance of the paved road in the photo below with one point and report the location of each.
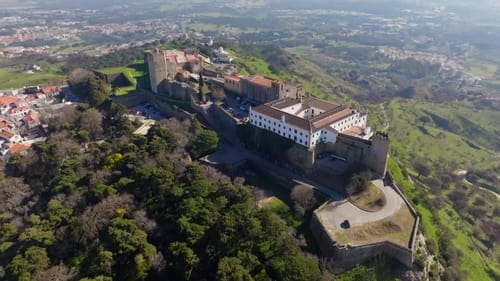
(144, 128)
(335, 213)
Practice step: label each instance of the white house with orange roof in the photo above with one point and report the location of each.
(10, 136)
(18, 113)
(8, 102)
(7, 150)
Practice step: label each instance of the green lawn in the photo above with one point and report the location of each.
(13, 77)
(137, 73)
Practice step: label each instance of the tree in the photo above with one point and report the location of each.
(231, 269)
(205, 142)
(95, 218)
(129, 243)
(183, 259)
(98, 91)
(358, 183)
(303, 199)
(91, 121)
(492, 231)
(32, 261)
(296, 268)
(360, 273)
(57, 273)
(421, 169)
(424, 119)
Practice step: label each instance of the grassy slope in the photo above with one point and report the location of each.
(137, 74)
(472, 260)
(434, 142)
(16, 77)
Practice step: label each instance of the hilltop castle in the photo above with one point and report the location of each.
(170, 66)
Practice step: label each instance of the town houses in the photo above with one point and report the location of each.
(19, 118)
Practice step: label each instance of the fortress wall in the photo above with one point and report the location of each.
(369, 153)
(177, 90)
(345, 257)
(131, 99)
(389, 180)
(167, 109)
(217, 117)
(375, 157)
(325, 243)
(301, 157)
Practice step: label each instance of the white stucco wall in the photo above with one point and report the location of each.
(301, 136)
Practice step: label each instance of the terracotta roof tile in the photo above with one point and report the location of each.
(332, 114)
(261, 80)
(18, 147)
(8, 100)
(232, 77)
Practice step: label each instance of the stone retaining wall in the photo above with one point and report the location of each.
(346, 256)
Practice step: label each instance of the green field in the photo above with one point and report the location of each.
(136, 73)
(16, 77)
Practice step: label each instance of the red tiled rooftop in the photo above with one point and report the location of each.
(31, 118)
(191, 57)
(5, 124)
(233, 77)
(331, 116)
(172, 58)
(18, 109)
(354, 130)
(6, 134)
(18, 147)
(8, 100)
(50, 89)
(262, 81)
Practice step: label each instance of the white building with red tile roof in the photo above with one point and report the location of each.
(309, 121)
(8, 102)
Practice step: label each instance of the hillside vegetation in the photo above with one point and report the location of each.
(431, 140)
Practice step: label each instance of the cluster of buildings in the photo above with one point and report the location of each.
(282, 108)
(309, 121)
(173, 71)
(260, 89)
(38, 32)
(20, 123)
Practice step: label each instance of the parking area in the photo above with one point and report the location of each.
(237, 107)
(147, 110)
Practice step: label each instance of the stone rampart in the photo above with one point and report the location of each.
(131, 99)
(167, 109)
(347, 256)
(389, 180)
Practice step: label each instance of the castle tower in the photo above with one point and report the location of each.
(157, 67)
(380, 152)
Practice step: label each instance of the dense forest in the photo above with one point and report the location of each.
(96, 202)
